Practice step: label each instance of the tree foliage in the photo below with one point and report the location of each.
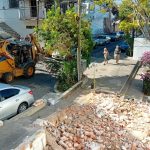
(60, 32)
(136, 14)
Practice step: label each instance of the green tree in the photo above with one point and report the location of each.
(136, 15)
(133, 14)
(59, 32)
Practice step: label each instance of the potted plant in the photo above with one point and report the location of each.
(146, 75)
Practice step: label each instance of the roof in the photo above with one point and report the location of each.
(2, 85)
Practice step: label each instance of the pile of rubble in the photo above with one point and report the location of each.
(107, 123)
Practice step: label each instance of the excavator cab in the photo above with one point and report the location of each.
(21, 52)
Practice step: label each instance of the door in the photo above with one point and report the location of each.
(8, 102)
(33, 8)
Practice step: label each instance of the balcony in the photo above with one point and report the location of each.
(30, 13)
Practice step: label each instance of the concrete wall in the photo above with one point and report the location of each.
(97, 22)
(95, 16)
(4, 4)
(12, 17)
(36, 142)
(140, 46)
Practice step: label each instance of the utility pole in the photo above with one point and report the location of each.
(38, 1)
(79, 41)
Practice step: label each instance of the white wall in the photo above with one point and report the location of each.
(140, 46)
(12, 16)
(97, 23)
(4, 4)
(95, 16)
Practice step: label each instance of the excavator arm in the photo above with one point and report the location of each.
(36, 48)
(35, 43)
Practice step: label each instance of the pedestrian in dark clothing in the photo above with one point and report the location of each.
(117, 53)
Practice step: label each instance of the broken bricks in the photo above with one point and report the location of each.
(109, 123)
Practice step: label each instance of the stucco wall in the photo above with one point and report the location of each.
(97, 22)
(12, 17)
(140, 46)
(4, 4)
(36, 142)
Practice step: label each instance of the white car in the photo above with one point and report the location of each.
(14, 100)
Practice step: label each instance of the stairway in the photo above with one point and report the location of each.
(9, 30)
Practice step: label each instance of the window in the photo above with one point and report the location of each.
(8, 93)
(13, 3)
(30, 27)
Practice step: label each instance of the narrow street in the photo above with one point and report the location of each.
(98, 51)
(41, 84)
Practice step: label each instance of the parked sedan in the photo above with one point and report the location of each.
(105, 38)
(113, 36)
(98, 41)
(120, 34)
(14, 100)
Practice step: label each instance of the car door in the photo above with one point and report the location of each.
(9, 102)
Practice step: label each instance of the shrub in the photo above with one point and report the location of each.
(146, 58)
(145, 76)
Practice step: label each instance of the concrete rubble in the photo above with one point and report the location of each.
(38, 102)
(107, 122)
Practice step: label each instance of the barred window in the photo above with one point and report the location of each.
(13, 3)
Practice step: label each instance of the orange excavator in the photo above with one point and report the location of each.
(18, 58)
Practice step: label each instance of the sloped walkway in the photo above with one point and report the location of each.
(112, 76)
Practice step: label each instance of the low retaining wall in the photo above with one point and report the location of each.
(35, 142)
(42, 138)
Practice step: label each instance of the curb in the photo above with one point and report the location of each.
(30, 111)
(70, 90)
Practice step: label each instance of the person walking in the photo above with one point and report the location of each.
(106, 54)
(117, 53)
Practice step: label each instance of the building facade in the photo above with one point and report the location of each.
(21, 15)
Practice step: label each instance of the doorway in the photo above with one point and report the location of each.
(33, 8)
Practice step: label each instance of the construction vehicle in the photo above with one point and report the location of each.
(18, 58)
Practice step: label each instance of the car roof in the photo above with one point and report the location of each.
(2, 85)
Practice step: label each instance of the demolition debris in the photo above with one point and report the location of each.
(106, 123)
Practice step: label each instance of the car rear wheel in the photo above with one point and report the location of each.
(8, 77)
(22, 108)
